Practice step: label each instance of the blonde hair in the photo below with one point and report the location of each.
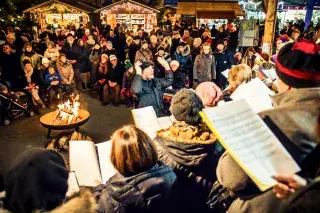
(205, 45)
(167, 40)
(239, 74)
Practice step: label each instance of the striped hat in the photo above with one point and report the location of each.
(297, 64)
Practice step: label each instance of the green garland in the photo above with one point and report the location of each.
(249, 24)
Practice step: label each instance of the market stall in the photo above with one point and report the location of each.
(58, 14)
(168, 15)
(130, 14)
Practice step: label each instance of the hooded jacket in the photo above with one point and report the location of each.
(150, 92)
(193, 154)
(184, 59)
(204, 68)
(295, 115)
(149, 191)
(66, 71)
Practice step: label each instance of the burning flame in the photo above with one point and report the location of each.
(68, 112)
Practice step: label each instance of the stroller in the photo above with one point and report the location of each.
(15, 106)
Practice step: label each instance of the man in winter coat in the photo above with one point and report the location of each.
(121, 46)
(183, 56)
(296, 104)
(114, 78)
(204, 68)
(186, 37)
(224, 61)
(149, 90)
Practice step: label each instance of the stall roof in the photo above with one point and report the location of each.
(125, 1)
(212, 9)
(168, 9)
(79, 6)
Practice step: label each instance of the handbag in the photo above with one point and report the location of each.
(220, 198)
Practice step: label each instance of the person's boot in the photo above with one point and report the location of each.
(41, 104)
(84, 86)
(105, 103)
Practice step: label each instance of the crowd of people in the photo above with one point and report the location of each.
(184, 169)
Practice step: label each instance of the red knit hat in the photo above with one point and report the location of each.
(297, 64)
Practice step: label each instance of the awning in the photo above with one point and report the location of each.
(43, 7)
(124, 2)
(212, 10)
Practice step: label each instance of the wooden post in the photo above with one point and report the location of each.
(270, 24)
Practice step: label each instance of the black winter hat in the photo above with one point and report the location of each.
(37, 180)
(297, 64)
(185, 106)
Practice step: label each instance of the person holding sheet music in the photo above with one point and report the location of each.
(143, 183)
(149, 90)
(292, 120)
(190, 150)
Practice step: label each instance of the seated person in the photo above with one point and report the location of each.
(102, 79)
(114, 77)
(66, 71)
(180, 79)
(142, 184)
(54, 79)
(51, 53)
(209, 93)
(149, 90)
(127, 80)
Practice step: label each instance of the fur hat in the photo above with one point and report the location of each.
(297, 64)
(128, 65)
(37, 179)
(185, 106)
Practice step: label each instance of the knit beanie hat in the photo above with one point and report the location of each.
(185, 106)
(112, 57)
(209, 93)
(37, 180)
(128, 65)
(297, 64)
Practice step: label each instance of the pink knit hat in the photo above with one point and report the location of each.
(209, 93)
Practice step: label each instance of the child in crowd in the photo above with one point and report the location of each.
(54, 79)
(127, 80)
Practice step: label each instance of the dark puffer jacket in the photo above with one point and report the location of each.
(150, 191)
(150, 92)
(185, 60)
(193, 160)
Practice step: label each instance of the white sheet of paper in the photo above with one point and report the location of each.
(106, 167)
(252, 141)
(73, 185)
(225, 73)
(164, 122)
(84, 162)
(271, 73)
(146, 119)
(256, 93)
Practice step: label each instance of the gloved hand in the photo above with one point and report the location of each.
(123, 91)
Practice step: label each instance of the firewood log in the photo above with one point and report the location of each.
(51, 145)
(79, 136)
(74, 136)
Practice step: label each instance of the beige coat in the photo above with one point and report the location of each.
(66, 72)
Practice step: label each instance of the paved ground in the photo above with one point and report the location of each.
(27, 132)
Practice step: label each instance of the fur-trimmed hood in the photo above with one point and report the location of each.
(186, 51)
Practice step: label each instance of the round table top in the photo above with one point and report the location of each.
(47, 120)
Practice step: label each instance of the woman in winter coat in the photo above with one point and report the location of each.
(95, 60)
(30, 55)
(183, 56)
(251, 58)
(142, 184)
(102, 81)
(147, 89)
(51, 53)
(32, 192)
(191, 150)
(144, 54)
(65, 69)
(84, 65)
(204, 68)
(90, 42)
(131, 49)
(195, 51)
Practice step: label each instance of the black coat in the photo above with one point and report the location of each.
(224, 61)
(72, 52)
(115, 74)
(114, 40)
(84, 63)
(150, 92)
(153, 49)
(121, 46)
(195, 166)
(149, 191)
(132, 50)
(194, 52)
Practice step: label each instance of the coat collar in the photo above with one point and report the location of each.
(296, 96)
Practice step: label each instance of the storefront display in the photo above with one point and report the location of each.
(58, 14)
(131, 14)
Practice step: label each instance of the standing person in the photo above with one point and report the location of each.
(95, 60)
(132, 49)
(30, 55)
(11, 68)
(175, 42)
(126, 84)
(153, 47)
(205, 37)
(86, 35)
(186, 37)
(142, 184)
(149, 90)
(121, 46)
(234, 39)
(204, 68)
(114, 77)
(113, 38)
(224, 61)
(144, 54)
(183, 56)
(194, 31)
(51, 52)
(84, 65)
(196, 47)
(140, 37)
(72, 52)
(116, 29)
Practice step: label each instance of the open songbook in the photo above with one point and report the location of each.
(250, 142)
(146, 119)
(90, 162)
(256, 93)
